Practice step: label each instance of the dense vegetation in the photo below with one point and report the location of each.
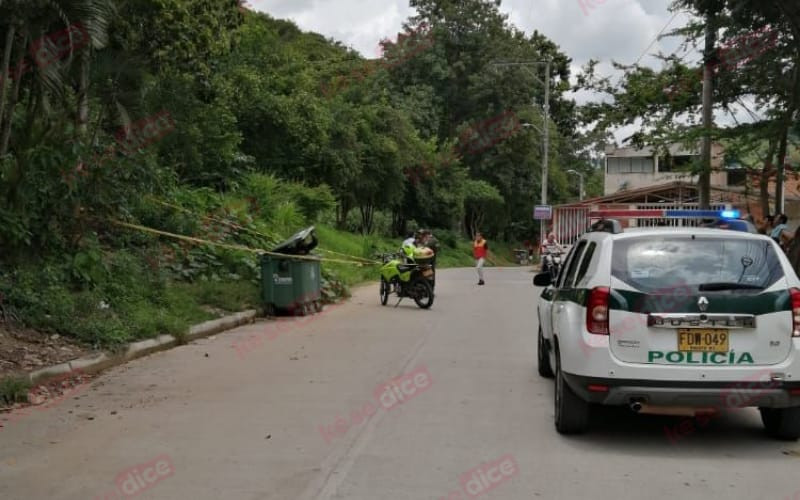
(204, 119)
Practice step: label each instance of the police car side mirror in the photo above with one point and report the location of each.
(543, 279)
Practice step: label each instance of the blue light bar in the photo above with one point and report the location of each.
(729, 214)
(659, 213)
(694, 214)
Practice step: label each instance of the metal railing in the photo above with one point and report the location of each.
(662, 222)
(569, 223)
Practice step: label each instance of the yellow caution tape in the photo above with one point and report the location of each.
(238, 226)
(216, 219)
(346, 255)
(242, 248)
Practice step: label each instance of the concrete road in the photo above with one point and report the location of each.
(304, 412)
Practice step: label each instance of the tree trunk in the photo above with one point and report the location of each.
(766, 170)
(34, 108)
(399, 223)
(341, 213)
(4, 78)
(779, 209)
(764, 189)
(82, 115)
(785, 125)
(704, 180)
(6, 124)
(367, 212)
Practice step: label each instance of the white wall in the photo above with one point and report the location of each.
(613, 182)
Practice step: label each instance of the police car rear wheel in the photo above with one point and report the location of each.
(782, 423)
(545, 370)
(572, 413)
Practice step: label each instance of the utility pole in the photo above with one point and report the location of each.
(546, 156)
(545, 129)
(704, 179)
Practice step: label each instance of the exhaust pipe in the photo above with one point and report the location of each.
(636, 406)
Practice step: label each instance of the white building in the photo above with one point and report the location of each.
(629, 168)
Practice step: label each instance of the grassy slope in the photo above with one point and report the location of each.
(143, 306)
(366, 246)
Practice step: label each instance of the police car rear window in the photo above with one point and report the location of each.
(653, 264)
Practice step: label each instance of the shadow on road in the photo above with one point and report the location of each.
(734, 432)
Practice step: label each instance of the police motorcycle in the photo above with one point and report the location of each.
(409, 274)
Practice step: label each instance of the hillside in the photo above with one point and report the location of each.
(141, 123)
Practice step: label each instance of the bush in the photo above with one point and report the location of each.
(288, 219)
(266, 194)
(312, 201)
(447, 237)
(232, 296)
(14, 390)
(130, 303)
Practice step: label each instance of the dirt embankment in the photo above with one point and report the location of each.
(23, 350)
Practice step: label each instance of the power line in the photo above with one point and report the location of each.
(657, 37)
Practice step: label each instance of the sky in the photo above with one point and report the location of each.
(604, 30)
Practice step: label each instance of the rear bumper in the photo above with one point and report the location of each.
(717, 395)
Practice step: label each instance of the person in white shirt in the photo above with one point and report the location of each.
(551, 246)
(410, 244)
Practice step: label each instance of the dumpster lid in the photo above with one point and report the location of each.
(301, 243)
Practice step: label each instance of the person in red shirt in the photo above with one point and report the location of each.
(480, 250)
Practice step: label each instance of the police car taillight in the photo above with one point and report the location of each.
(597, 311)
(795, 294)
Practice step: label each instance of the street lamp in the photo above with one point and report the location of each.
(526, 125)
(580, 188)
(544, 168)
(546, 128)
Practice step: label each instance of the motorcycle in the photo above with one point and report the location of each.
(552, 263)
(414, 278)
(522, 256)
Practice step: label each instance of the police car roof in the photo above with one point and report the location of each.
(704, 231)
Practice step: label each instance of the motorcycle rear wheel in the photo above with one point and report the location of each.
(384, 292)
(423, 293)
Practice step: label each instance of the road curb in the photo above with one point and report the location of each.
(97, 362)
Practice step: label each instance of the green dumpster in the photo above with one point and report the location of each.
(291, 282)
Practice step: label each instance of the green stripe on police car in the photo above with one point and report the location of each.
(696, 358)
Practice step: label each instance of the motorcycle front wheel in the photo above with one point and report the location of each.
(384, 292)
(423, 293)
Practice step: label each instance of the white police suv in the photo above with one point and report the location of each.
(679, 321)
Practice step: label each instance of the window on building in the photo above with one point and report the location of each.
(737, 176)
(618, 165)
(681, 163)
(642, 165)
(628, 165)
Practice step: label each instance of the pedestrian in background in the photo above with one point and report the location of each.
(780, 225)
(480, 250)
(780, 233)
(766, 226)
